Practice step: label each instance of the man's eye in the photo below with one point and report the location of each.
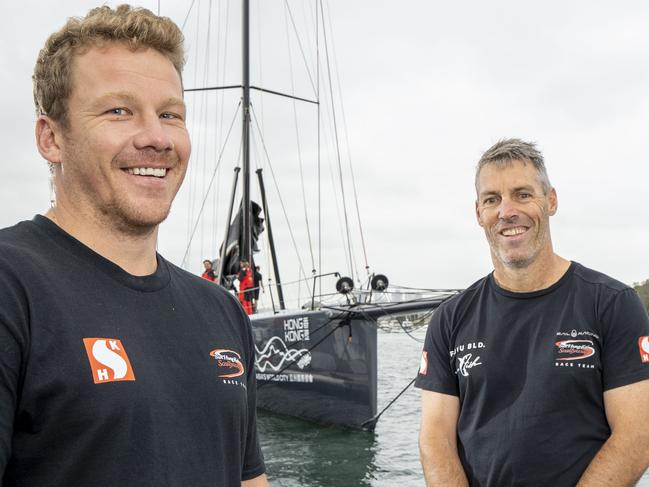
(489, 201)
(118, 111)
(524, 196)
(170, 116)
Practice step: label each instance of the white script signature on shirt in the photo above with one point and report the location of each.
(465, 363)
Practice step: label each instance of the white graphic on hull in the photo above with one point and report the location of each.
(110, 359)
(276, 348)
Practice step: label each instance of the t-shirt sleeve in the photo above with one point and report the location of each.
(435, 372)
(625, 344)
(253, 461)
(13, 339)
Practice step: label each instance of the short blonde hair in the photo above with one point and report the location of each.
(135, 27)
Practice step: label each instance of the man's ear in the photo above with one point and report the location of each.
(48, 136)
(553, 202)
(477, 213)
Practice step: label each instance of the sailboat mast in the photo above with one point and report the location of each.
(246, 241)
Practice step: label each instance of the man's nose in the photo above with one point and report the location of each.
(153, 134)
(507, 209)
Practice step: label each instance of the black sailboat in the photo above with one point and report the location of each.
(317, 361)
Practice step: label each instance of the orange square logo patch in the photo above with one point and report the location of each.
(108, 360)
(643, 345)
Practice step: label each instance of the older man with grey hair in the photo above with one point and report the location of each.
(537, 374)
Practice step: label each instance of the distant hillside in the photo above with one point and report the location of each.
(643, 290)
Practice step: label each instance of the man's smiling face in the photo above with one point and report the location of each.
(125, 149)
(514, 212)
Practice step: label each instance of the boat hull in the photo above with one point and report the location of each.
(317, 365)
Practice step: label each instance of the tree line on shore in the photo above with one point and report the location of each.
(642, 288)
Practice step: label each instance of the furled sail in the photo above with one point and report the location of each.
(231, 259)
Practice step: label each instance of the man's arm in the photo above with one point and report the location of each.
(438, 440)
(625, 456)
(261, 481)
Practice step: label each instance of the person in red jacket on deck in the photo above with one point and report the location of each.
(245, 285)
(209, 271)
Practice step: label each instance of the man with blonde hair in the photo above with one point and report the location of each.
(536, 375)
(117, 367)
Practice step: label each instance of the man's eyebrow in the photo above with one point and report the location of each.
(110, 98)
(525, 187)
(174, 102)
(114, 95)
(128, 97)
(488, 192)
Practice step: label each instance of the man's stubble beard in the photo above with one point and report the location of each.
(129, 222)
(523, 261)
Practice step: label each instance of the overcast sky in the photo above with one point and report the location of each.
(427, 87)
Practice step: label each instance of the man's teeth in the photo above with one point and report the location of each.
(508, 232)
(148, 171)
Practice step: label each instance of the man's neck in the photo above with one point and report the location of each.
(541, 274)
(136, 254)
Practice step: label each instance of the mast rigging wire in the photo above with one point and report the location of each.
(186, 16)
(371, 423)
(299, 42)
(192, 176)
(340, 171)
(317, 47)
(218, 163)
(281, 201)
(349, 156)
(297, 139)
(219, 114)
(204, 114)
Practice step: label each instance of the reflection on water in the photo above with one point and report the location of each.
(300, 454)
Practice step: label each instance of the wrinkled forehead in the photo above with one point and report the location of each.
(494, 176)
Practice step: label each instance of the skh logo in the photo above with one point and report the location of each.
(108, 360)
(643, 344)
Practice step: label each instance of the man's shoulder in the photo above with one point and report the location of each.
(20, 241)
(596, 279)
(16, 234)
(465, 297)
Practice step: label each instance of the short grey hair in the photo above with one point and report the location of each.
(505, 151)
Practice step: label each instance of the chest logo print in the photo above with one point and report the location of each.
(228, 363)
(574, 349)
(108, 360)
(643, 344)
(465, 362)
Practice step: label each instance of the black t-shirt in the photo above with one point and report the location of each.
(112, 379)
(530, 370)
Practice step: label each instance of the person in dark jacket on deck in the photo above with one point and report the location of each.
(258, 284)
